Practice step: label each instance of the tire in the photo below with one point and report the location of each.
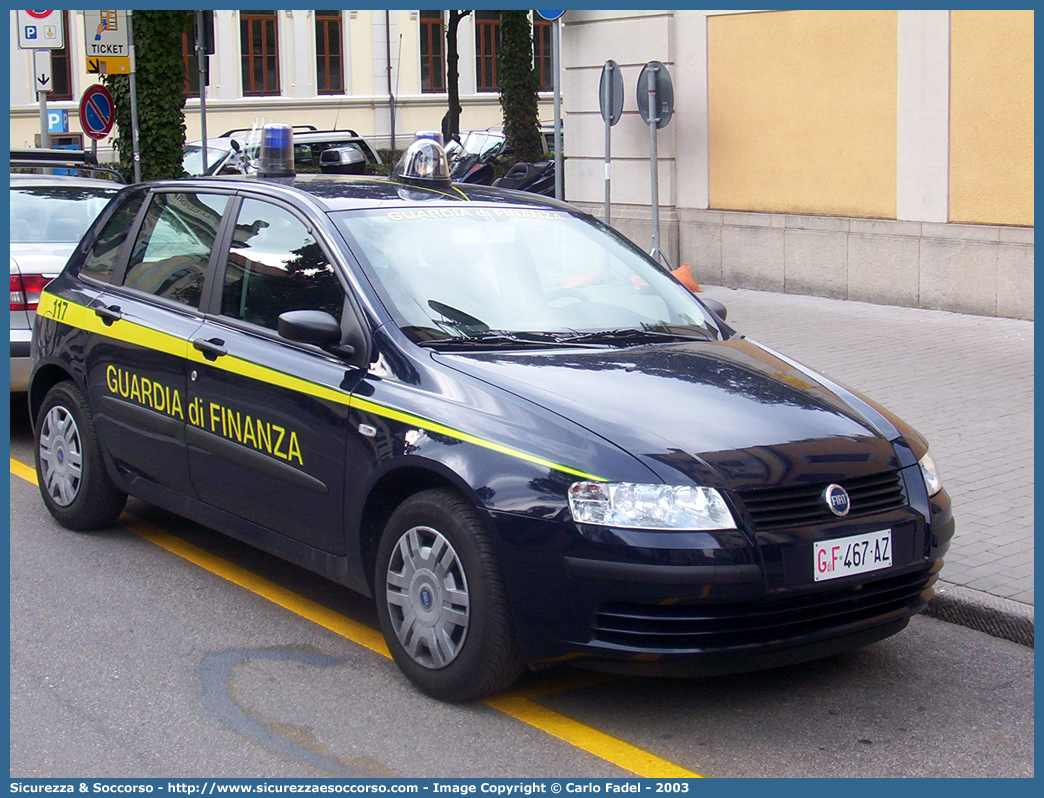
(69, 467)
(441, 599)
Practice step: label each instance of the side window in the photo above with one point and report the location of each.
(101, 259)
(172, 250)
(275, 265)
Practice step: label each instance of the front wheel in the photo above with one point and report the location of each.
(69, 467)
(441, 599)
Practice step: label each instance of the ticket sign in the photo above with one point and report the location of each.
(40, 30)
(107, 42)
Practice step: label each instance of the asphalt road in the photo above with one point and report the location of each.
(128, 660)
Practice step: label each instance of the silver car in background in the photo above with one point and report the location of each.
(49, 215)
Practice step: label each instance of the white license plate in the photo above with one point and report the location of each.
(858, 554)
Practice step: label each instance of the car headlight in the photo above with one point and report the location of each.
(634, 506)
(931, 475)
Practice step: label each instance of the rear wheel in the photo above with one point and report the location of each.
(441, 599)
(69, 468)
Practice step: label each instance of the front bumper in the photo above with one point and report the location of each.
(700, 604)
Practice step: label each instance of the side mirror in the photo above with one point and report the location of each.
(235, 145)
(716, 308)
(314, 327)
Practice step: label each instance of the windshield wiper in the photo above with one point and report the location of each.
(504, 339)
(625, 336)
(458, 317)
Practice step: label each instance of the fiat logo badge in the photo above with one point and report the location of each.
(837, 500)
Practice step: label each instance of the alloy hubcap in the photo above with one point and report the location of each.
(61, 456)
(428, 597)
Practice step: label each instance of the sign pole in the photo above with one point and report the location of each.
(45, 135)
(133, 101)
(202, 56)
(610, 102)
(607, 103)
(556, 55)
(654, 109)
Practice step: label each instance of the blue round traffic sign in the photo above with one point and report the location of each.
(551, 16)
(97, 112)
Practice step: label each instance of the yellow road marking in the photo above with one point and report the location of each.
(20, 469)
(516, 704)
(624, 755)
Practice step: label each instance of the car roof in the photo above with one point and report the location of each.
(351, 192)
(72, 181)
(215, 143)
(300, 137)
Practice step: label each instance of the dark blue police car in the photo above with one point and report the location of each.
(489, 411)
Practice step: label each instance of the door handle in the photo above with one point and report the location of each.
(108, 314)
(212, 349)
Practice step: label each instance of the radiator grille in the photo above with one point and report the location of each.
(776, 508)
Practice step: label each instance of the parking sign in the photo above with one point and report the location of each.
(40, 30)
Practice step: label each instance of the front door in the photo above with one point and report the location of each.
(267, 418)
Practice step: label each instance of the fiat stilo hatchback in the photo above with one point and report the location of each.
(492, 413)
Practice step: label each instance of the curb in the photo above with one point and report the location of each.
(1000, 617)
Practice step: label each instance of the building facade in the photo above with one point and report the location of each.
(371, 71)
(882, 156)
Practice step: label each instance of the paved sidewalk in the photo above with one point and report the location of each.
(966, 383)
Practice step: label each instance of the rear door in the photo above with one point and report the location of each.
(267, 419)
(137, 366)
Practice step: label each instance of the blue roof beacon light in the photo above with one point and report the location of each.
(277, 151)
(424, 162)
(434, 135)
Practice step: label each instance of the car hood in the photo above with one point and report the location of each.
(726, 413)
(41, 257)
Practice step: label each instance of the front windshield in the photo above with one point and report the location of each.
(463, 271)
(481, 142)
(192, 159)
(59, 214)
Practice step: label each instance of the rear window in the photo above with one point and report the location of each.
(59, 214)
(101, 260)
(172, 251)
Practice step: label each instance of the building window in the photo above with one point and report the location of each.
(542, 52)
(259, 43)
(433, 62)
(191, 61)
(487, 37)
(61, 76)
(329, 53)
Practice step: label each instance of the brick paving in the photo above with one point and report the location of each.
(965, 382)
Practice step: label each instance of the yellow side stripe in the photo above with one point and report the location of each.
(514, 704)
(130, 332)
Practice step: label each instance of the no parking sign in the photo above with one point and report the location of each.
(97, 112)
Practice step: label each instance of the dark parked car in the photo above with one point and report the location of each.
(236, 151)
(489, 411)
